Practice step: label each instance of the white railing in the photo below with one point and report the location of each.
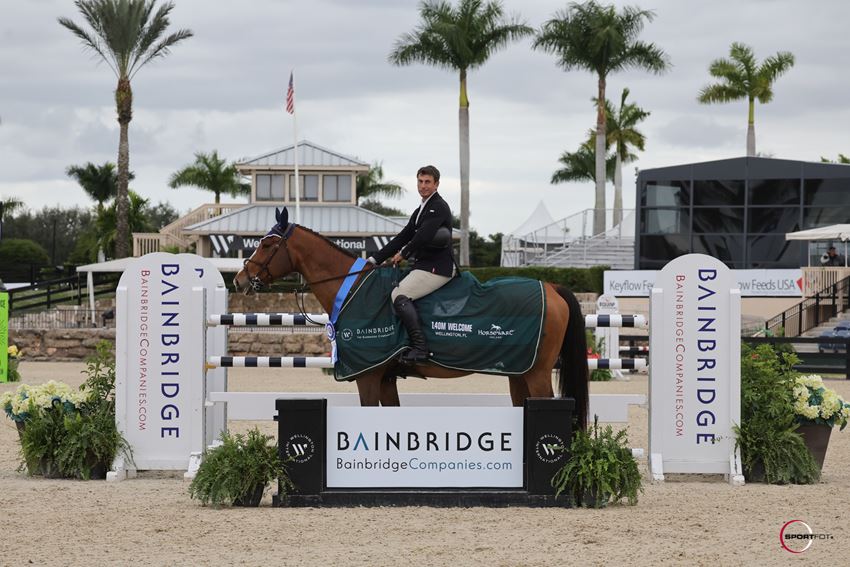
(575, 230)
(172, 235)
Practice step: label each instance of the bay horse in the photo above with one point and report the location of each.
(289, 248)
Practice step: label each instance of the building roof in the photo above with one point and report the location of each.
(310, 156)
(330, 220)
(748, 168)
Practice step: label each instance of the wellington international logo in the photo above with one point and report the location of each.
(796, 536)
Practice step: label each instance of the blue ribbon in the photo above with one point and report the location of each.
(341, 294)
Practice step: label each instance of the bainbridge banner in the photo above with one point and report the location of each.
(426, 447)
(160, 342)
(695, 361)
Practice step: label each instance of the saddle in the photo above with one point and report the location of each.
(491, 328)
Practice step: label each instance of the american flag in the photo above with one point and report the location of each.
(290, 97)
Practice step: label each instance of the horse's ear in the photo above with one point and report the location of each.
(281, 216)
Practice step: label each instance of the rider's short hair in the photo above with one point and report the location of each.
(429, 170)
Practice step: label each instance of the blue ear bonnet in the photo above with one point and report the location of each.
(282, 228)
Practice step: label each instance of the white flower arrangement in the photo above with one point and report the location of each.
(19, 404)
(815, 402)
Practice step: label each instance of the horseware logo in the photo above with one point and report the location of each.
(300, 448)
(495, 327)
(548, 448)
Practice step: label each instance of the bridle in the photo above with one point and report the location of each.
(256, 281)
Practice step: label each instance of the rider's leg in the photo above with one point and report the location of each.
(417, 284)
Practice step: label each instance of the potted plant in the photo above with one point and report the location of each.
(65, 432)
(14, 358)
(92, 440)
(601, 468)
(238, 469)
(39, 413)
(817, 410)
(771, 448)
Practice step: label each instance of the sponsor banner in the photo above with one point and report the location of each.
(225, 244)
(159, 356)
(4, 336)
(752, 283)
(695, 361)
(425, 447)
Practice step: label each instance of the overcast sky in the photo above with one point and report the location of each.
(224, 89)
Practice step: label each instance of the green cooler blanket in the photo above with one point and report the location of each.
(493, 328)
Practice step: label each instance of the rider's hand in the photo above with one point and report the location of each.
(397, 259)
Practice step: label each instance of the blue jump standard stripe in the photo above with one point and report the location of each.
(250, 362)
(227, 319)
(226, 361)
(276, 319)
(299, 362)
(250, 318)
(603, 321)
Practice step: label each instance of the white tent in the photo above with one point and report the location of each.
(514, 243)
(832, 232)
(835, 232)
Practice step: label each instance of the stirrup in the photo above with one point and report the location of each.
(414, 356)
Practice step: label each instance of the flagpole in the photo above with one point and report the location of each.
(295, 146)
(290, 108)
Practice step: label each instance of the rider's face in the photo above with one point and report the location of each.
(426, 185)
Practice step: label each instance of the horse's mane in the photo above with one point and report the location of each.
(330, 242)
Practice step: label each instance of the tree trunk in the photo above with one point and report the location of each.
(751, 130)
(124, 106)
(618, 191)
(599, 203)
(463, 122)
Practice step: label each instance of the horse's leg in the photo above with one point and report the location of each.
(369, 388)
(538, 382)
(519, 390)
(389, 390)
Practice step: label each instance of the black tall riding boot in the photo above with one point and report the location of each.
(409, 316)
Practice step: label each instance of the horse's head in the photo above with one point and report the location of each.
(271, 260)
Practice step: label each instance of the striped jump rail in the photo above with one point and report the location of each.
(269, 362)
(616, 320)
(617, 364)
(634, 350)
(268, 319)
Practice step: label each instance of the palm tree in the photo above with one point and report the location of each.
(841, 159)
(212, 173)
(100, 182)
(459, 39)
(107, 222)
(621, 134)
(742, 77)
(126, 34)
(372, 183)
(601, 40)
(581, 164)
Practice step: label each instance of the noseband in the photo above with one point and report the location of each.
(255, 281)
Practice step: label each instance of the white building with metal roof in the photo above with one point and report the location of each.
(327, 204)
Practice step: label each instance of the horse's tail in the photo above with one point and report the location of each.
(573, 374)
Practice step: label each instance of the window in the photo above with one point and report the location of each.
(719, 219)
(775, 192)
(665, 221)
(309, 187)
(774, 219)
(773, 251)
(336, 188)
(269, 187)
(728, 248)
(666, 194)
(824, 192)
(712, 192)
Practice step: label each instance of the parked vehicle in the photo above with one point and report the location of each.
(841, 330)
